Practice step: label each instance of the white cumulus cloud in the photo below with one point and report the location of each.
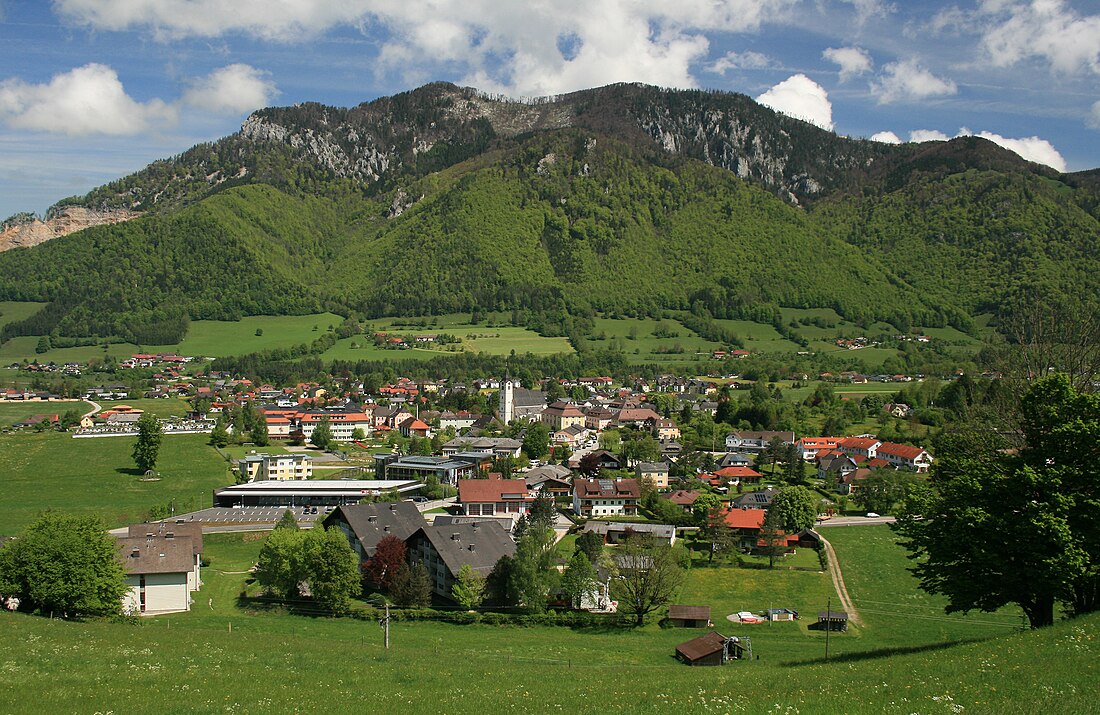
(800, 97)
(232, 89)
(86, 100)
(927, 135)
(748, 60)
(1034, 149)
(1044, 29)
(511, 47)
(908, 80)
(851, 60)
(886, 138)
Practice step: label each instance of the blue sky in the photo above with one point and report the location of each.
(91, 90)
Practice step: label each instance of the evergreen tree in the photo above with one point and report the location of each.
(287, 521)
(219, 436)
(412, 586)
(533, 574)
(322, 434)
(774, 541)
(590, 544)
(579, 580)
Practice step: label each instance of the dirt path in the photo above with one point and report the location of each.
(838, 583)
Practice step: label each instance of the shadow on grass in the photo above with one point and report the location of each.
(884, 653)
(130, 471)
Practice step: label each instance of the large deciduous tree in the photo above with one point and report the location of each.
(796, 508)
(536, 440)
(388, 558)
(469, 588)
(533, 575)
(66, 565)
(332, 569)
(322, 434)
(579, 580)
(648, 575)
(147, 447)
(1017, 526)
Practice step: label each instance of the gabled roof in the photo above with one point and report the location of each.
(705, 645)
(683, 497)
(477, 544)
(690, 613)
(746, 518)
(738, 473)
(860, 443)
(901, 451)
(493, 490)
(606, 488)
(371, 522)
(161, 529)
(139, 555)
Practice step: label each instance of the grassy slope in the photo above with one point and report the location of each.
(272, 663)
(94, 476)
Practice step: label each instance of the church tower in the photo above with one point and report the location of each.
(507, 408)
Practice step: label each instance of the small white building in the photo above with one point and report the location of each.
(159, 574)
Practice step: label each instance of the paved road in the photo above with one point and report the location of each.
(855, 521)
(95, 408)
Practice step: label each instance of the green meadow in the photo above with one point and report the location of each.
(53, 470)
(227, 656)
(645, 340)
(12, 412)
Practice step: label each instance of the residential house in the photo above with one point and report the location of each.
(605, 497)
(278, 467)
(635, 417)
(760, 499)
(598, 418)
(663, 428)
(656, 471)
(809, 447)
(833, 468)
(158, 573)
(755, 442)
(495, 447)
(413, 427)
(365, 525)
(739, 475)
(489, 497)
(904, 456)
(735, 459)
(863, 446)
(178, 529)
(683, 498)
(561, 415)
(613, 532)
(573, 436)
(444, 550)
(607, 460)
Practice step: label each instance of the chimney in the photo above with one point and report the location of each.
(135, 553)
(456, 537)
(372, 518)
(471, 547)
(386, 528)
(169, 535)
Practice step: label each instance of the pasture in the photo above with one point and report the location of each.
(225, 656)
(96, 476)
(12, 412)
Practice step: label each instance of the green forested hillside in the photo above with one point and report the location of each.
(622, 200)
(981, 238)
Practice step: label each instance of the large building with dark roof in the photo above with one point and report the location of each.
(444, 550)
(365, 525)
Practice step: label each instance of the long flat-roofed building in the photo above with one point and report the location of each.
(447, 469)
(312, 492)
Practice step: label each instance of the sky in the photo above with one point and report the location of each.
(92, 90)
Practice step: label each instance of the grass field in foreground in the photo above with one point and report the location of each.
(12, 412)
(278, 663)
(52, 470)
(895, 611)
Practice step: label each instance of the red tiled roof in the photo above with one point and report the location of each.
(738, 473)
(863, 443)
(901, 451)
(492, 490)
(746, 518)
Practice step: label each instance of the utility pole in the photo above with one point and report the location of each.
(828, 625)
(385, 623)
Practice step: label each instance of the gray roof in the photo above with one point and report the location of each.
(505, 522)
(177, 529)
(476, 544)
(371, 522)
(664, 531)
(652, 466)
(140, 555)
(528, 398)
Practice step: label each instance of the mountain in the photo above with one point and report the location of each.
(623, 199)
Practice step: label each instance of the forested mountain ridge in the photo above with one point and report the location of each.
(620, 199)
(438, 125)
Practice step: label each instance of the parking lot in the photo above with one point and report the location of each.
(253, 514)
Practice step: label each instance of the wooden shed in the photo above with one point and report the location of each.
(689, 616)
(713, 649)
(831, 621)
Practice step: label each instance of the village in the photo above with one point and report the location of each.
(456, 472)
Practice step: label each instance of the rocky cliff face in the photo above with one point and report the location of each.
(62, 222)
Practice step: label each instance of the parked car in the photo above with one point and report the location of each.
(420, 500)
(872, 515)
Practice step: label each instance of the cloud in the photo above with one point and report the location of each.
(86, 100)
(851, 60)
(802, 98)
(511, 48)
(927, 135)
(740, 61)
(886, 138)
(866, 9)
(1043, 29)
(1031, 148)
(1094, 117)
(233, 89)
(907, 80)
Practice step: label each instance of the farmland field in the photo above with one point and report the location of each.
(12, 412)
(52, 470)
(12, 311)
(637, 339)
